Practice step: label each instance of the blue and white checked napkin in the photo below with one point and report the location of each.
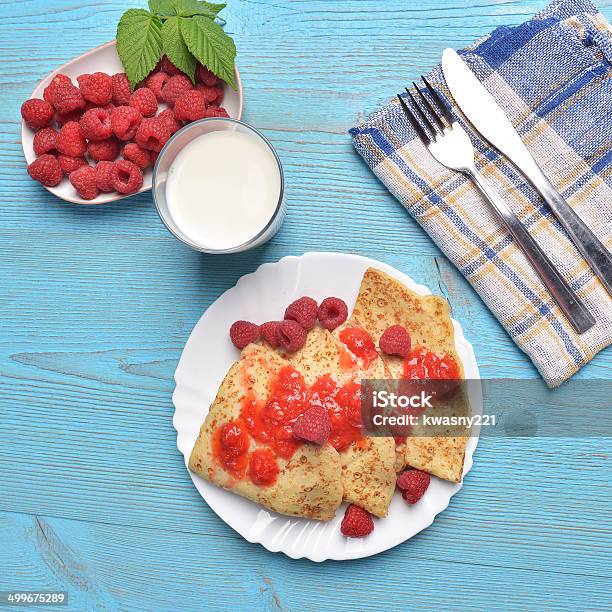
(553, 77)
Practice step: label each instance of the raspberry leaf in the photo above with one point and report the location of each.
(175, 47)
(162, 7)
(139, 43)
(211, 46)
(189, 8)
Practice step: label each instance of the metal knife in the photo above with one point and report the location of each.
(483, 112)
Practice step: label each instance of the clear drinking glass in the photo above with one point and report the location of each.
(169, 153)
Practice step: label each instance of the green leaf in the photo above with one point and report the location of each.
(139, 43)
(162, 7)
(211, 46)
(175, 47)
(189, 8)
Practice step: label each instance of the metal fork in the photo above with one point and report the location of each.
(449, 143)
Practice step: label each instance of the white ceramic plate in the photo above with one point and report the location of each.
(105, 59)
(262, 296)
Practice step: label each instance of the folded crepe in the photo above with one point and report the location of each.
(368, 464)
(308, 485)
(313, 480)
(384, 301)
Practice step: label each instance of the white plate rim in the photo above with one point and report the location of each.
(184, 445)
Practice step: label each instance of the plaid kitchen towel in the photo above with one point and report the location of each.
(552, 76)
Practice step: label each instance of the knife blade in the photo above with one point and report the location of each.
(488, 118)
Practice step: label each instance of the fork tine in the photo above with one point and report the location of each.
(424, 118)
(439, 101)
(430, 109)
(413, 120)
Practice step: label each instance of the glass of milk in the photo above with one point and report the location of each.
(219, 187)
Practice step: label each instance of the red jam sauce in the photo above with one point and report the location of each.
(263, 468)
(343, 404)
(347, 360)
(230, 448)
(422, 363)
(360, 343)
(271, 423)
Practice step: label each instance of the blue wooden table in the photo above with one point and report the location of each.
(96, 304)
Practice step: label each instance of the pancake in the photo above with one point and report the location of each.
(368, 474)
(324, 354)
(248, 425)
(384, 301)
(441, 455)
(308, 484)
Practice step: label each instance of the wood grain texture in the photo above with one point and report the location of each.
(97, 303)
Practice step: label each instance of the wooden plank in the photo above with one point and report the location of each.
(173, 570)
(97, 302)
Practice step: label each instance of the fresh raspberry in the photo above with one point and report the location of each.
(50, 88)
(190, 106)
(45, 141)
(126, 176)
(84, 181)
(269, 332)
(125, 121)
(413, 484)
(243, 333)
(332, 312)
(96, 125)
(144, 101)
(395, 341)
(291, 336)
(46, 170)
(66, 97)
(74, 115)
(37, 113)
(154, 156)
(216, 111)
(357, 523)
(137, 155)
(104, 150)
(167, 116)
(155, 81)
(169, 68)
(70, 164)
(70, 141)
(175, 88)
(212, 95)
(121, 90)
(153, 134)
(96, 87)
(313, 426)
(303, 311)
(204, 75)
(104, 176)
